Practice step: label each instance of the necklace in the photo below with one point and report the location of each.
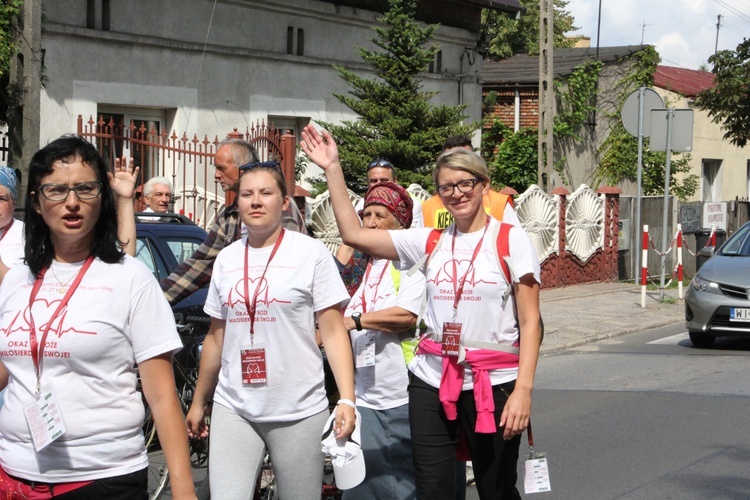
(63, 286)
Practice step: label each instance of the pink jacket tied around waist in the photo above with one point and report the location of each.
(451, 381)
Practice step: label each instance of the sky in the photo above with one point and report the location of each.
(683, 31)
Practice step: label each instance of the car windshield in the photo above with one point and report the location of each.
(739, 244)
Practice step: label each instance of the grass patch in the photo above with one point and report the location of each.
(672, 286)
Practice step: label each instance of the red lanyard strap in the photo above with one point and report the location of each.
(251, 307)
(377, 285)
(37, 348)
(460, 290)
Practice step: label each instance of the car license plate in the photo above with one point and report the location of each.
(739, 314)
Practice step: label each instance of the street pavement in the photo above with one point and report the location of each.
(579, 314)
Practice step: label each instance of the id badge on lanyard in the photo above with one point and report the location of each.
(253, 364)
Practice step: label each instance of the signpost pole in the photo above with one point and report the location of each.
(636, 265)
(665, 218)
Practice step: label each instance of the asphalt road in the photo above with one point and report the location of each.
(643, 416)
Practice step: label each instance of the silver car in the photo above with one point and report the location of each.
(717, 302)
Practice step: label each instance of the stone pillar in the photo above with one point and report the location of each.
(609, 270)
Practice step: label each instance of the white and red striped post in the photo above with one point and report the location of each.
(679, 260)
(712, 238)
(644, 266)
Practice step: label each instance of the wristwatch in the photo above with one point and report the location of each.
(356, 317)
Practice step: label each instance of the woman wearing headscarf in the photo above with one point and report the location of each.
(382, 313)
(11, 229)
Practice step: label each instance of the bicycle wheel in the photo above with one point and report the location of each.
(266, 487)
(204, 490)
(158, 475)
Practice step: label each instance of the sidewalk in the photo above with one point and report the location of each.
(579, 314)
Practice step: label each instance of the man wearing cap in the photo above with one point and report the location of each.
(383, 313)
(195, 271)
(11, 230)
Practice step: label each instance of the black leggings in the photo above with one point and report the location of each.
(434, 440)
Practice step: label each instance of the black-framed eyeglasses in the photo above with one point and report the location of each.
(60, 192)
(465, 186)
(380, 164)
(261, 164)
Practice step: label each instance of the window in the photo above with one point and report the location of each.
(436, 65)
(91, 7)
(290, 41)
(711, 185)
(150, 119)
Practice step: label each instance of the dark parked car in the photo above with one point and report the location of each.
(717, 302)
(163, 243)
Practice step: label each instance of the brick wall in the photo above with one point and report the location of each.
(504, 108)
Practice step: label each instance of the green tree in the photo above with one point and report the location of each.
(507, 35)
(9, 12)
(728, 102)
(510, 156)
(396, 120)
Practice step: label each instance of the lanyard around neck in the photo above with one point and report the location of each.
(377, 285)
(251, 306)
(458, 288)
(37, 347)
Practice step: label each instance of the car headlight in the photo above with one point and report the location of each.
(703, 285)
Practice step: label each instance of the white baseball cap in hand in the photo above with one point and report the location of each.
(346, 454)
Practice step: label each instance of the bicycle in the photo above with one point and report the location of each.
(185, 364)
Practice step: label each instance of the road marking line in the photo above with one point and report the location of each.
(672, 340)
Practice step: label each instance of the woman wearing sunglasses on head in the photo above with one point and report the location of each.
(75, 319)
(260, 363)
(488, 394)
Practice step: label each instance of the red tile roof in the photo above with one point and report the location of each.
(688, 82)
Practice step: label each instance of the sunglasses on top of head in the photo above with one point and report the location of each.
(274, 165)
(381, 164)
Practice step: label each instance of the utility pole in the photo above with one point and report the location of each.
(718, 25)
(643, 31)
(546, 95)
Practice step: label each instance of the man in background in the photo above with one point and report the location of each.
(157, 193)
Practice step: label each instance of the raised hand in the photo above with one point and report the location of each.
(124, 178)
(321, 149)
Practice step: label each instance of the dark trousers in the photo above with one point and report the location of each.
(434, 440)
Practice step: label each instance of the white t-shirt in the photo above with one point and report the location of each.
(116, 318)
(301, 279)
(417, 220)
(479, 310)
(11, 244)
(383, 385)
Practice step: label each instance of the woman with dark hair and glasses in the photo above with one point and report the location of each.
(260, 363)
(75, 320)
(469, 314)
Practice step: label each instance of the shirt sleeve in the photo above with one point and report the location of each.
(523, 256)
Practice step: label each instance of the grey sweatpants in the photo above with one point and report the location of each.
(237, 447)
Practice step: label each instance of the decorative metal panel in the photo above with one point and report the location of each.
(584, 223)
(539, 214)
(323, 221)
(419, 192)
